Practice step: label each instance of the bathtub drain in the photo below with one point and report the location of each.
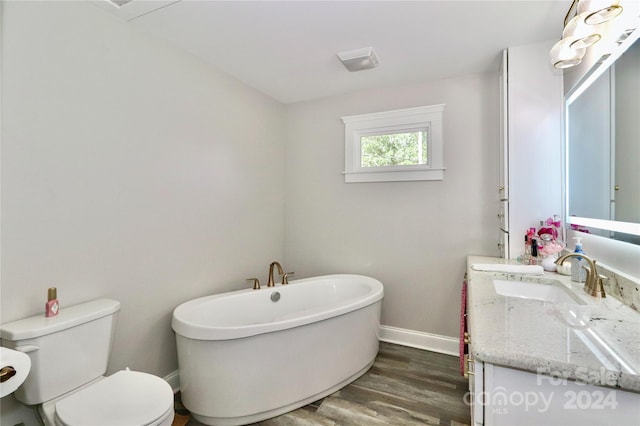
(275, 296)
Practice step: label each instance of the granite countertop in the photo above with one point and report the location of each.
(594, 341)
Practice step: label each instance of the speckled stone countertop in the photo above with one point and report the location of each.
(594, 341)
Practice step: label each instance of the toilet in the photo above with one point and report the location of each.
(69, 357)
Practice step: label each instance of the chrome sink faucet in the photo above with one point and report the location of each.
(593, 283)
(271, 282)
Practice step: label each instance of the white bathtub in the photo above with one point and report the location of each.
(244, 358)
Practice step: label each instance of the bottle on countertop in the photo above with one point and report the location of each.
(527, 249)
(534, 252)
(557, 224)
(578, 273)
(528, 238)
(52, 307)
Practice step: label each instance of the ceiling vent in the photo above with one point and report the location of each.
(359, 59)
(120, 3)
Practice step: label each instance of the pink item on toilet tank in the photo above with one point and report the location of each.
(52, 307)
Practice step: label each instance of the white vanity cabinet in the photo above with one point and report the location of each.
(474, 398)
(532, 361)
(530, 149)
(505, 397)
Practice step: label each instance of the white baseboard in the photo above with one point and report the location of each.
(174, 381)
(417, 339)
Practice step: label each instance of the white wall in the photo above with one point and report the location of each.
(130, 170)
(413, 236)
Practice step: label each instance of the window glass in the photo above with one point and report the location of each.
(395, 149)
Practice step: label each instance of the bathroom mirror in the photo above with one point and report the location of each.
(603, 147)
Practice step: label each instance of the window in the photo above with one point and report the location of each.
(400, 145)
(395, 149)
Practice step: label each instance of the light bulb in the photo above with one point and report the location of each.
(599, 11)
(579, 34)
(562, 55)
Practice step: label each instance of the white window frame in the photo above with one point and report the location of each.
(407, 120)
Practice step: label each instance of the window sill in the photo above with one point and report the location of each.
(394, 176)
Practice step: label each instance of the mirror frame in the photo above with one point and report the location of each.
(592, 75)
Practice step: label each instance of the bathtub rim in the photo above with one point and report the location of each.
(196, 331)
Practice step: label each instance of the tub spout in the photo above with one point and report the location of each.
(271, 282)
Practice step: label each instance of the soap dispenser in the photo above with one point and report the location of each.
(578, 273)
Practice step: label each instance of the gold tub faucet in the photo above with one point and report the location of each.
(271, 282)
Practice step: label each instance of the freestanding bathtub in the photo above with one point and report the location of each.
(249, 355)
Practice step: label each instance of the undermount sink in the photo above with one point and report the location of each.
(535, 291)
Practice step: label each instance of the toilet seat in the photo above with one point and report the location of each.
(124, 398)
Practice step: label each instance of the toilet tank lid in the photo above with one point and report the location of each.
(68, 316)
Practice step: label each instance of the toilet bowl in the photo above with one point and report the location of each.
(124, 398)
(69, 356)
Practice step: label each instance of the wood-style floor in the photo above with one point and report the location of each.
(405, 386)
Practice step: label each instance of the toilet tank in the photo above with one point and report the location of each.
(66, 351)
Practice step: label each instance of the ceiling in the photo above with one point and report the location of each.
(287, 49)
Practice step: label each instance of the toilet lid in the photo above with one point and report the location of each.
(124, 398)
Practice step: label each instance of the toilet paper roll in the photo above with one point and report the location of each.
(20, 362)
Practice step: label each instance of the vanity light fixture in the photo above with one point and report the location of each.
(599, 11)
(582, 30)
(580, 34)
(359, 59)
(563, 55)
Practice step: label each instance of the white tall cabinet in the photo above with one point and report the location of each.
(503, 158)
(531, 154)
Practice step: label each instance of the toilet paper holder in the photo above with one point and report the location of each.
(14, 369)
(6, 373)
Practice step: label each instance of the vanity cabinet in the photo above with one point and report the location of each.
(530, 147)
(505, 396)
(527, 366)
(474, 371)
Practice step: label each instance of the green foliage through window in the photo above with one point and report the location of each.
(398, 149)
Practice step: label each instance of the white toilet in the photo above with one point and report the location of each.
(69, 355)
